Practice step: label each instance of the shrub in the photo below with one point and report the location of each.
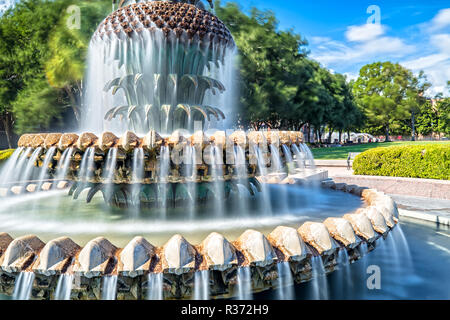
(422, 161)
(5, 154)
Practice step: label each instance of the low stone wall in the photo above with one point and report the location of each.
(430, 188)
(178, 260)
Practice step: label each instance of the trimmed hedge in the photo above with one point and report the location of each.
(5, 154)
(421, 161)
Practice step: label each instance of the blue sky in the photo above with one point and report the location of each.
(414, 33)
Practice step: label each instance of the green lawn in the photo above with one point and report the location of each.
(336, 153)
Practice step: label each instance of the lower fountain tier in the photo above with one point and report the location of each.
(174, 159)
(178, 261)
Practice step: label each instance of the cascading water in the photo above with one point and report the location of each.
(400, 240)
(64, 287)
(288, 156)
(345, 281)
(241, 168)
(23, 286)
(276, 165)
(28, 173)
(86, 165)
(309, 158)
(190, 165)
(44, 169)
(285, 281)
(152, 74)
(108, 175)
(109, 288)
(244, 283)
(319, 279)
(201, 285)
(15, 175)
(138, 175)
(261, 162)
(155, 283)
(9, 169)
(164, 166)
(216, 174)
(63, 164)
(299, 157)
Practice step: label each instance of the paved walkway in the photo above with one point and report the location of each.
(413, 205)
(433, 210)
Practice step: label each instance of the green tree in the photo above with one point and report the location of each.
(388, 93)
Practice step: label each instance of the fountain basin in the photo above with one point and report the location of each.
(178, 260)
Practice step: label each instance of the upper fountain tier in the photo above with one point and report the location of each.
(157, 65)
(185, 21)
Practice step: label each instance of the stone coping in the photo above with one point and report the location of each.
(430, 188)
(152, 140)
(178, 260)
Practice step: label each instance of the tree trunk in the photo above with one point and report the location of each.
(387, 134)
(73, 103)
(7, 124)
(348, 136)
(309, 133)
(413, 127)
(340, 136)
(329, 135)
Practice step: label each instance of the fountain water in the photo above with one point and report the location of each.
(164, 165)
(24, 285)
(155, 283)
(319, 281)
(244, 283)
(63, 164)
(216, 174)
(44, 169)
(285, 281)
(299, 157)
(201, 285)
(345, 281)
(241, 168)
(64, 287)
(28, 173)
(109, 288)
(138, 175)
(9, 169)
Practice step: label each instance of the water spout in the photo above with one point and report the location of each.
(23, 286)
(319, 280)
(244, 283)
(109, 288)
(285, 281)
(201, 285)
(155, 282)
(64, 287)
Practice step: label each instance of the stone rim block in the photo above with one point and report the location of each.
(256, 249)
(316, 235)
(289, 242)
(362, 226)
(178, 255)
(20, 253)
(94, 259)
(218, 252)
(56, 256)
(341, 230)
(136, 257)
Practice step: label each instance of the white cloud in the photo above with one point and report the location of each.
(441, 20)
(338, 52)
(441, 41)
(425, 62)
(428, 50)
(365, 32)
